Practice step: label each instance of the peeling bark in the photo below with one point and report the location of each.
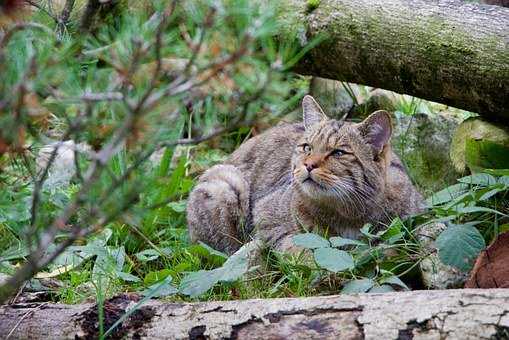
(446, 51)
(454, 314)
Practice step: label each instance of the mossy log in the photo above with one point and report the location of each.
(453, 314)
(450, 52)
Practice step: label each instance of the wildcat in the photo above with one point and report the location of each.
(322, 173)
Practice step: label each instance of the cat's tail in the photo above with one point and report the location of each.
(218, 207)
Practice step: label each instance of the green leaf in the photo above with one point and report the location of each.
(197, 283)
(212, 251)
(468, 210)
(128, 277)
(393, 233)
(204, 251)
(394, 280)
(491, 191)
(333, 260)
(151, 254)
(497, 172)
(338, 241)
(109, 261)
(160, 289)
(164, 165)
(479, 179)
(358, 286)
(147, 255)
(179, 206)
(447, 194)
(310, 241)
(504, 180)
(156, 276)
(458, 246)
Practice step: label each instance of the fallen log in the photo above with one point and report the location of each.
(454, 314)
(451, 52)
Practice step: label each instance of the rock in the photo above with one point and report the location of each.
(376, 99)
(63, 167)
(491, 269)
(435, 274)
(478, 144)
(422, 142)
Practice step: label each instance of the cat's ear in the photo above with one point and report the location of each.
(312, 112)
(377, 130)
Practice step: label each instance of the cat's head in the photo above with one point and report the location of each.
(342, 163)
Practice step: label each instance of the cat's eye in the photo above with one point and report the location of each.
(306, 147)
(337, 152)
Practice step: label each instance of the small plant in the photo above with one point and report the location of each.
(475, 211)
(371, 264)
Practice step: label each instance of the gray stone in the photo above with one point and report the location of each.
(435, 274)
(422, 141)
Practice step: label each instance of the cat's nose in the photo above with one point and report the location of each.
(310, 166)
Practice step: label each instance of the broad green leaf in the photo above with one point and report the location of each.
(310, 241)
(197, 283)
(333, 260)
(160, 289)
(14, 253)
(394, 280)
(128, 277)
(338, 241)
(156, 276)
(108, 262)
(458, 246)
(152, 254)
(468, 210)
(479, 179)
(179, 206)
(73, 256)
(447, 194)
(212, 251)
(489, 192)
(497, 172)
(210, 254)
(358, 286)
(393, 233)
(504, 180)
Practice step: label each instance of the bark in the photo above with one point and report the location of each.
(454, 314)
(445, 51)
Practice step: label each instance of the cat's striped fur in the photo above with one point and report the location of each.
(323, 173)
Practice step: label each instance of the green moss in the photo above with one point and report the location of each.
(485, 154)
(311, 5)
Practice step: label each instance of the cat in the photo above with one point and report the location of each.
(322, 173)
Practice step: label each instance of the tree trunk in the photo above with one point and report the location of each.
(454, 314)
(450, 52)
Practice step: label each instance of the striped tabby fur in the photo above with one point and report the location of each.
(322, 173)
